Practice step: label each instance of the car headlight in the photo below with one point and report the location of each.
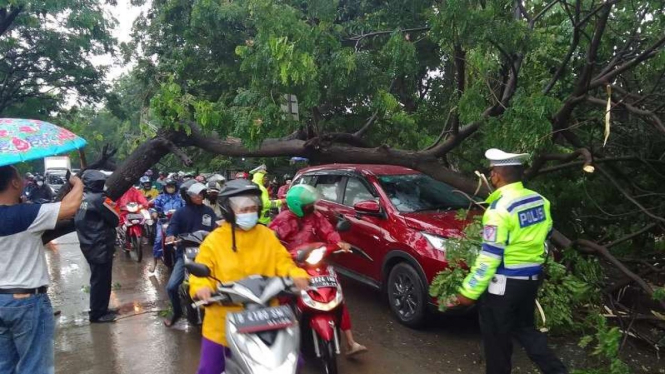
(436, 241)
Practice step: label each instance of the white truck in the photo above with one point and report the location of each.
(55, 171)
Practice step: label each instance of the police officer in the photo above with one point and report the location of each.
(507, 272)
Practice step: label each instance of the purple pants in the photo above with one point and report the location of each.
(213, 357)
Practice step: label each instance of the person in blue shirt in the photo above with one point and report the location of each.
(169, 199)
(194, 216)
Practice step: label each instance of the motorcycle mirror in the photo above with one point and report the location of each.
(302, 255)
(198, 270)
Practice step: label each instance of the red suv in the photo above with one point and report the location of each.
(400, 222)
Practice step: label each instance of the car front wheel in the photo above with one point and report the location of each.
(406, 295)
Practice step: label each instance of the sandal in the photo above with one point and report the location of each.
(169, 322)
(356, 349)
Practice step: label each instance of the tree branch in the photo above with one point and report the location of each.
(645, 55)
(654, 119)
(8, 20)
(357, 38)
(595, 161)
(178, 152)
(541, 160)
(627, 195)
(573, 46)
(632, 235)
(593, 248)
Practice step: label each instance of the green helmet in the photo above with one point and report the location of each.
(299, 196)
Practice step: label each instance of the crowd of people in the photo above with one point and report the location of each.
(253, 225)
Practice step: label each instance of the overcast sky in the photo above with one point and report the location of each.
(125, 14)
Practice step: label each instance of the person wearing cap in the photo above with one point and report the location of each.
(261, 181)
(508, 270)
(194, 216)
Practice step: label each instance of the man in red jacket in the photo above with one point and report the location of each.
(302, 224)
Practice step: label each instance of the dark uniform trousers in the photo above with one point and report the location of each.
(100, 288)
(509, 316)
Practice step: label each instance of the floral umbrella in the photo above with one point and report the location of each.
(28, 139)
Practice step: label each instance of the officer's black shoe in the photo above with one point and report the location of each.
(106, 318)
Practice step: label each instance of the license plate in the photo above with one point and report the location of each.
(135, 221)
(266, 319)
(323, 281)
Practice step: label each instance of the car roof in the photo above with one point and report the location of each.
(362, 168)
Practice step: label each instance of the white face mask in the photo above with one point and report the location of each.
(247, 221)
(40, 183)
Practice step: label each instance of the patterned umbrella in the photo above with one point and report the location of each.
(28, 139)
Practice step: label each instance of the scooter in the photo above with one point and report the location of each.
(133, 222)
(191, 243)
(320, 305)
(261, 339)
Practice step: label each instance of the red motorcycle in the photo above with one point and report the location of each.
(321, 304)
(133, 220)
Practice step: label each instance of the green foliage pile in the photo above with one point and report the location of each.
(566, 295)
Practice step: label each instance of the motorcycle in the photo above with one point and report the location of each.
(261, 338)
(191, 243)
(320, 305)
(168, 252)
(134, 218)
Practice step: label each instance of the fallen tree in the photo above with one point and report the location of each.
(577, 85)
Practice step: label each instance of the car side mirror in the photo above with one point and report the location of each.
(343, 225)
(368, 207)
(198, 270)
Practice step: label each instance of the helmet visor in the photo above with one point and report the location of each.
(244, 204)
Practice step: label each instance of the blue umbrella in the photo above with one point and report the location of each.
(28, 139)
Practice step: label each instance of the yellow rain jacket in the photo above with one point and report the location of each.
(264, 216)
(259, 253)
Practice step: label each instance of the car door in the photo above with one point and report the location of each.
(366, 235)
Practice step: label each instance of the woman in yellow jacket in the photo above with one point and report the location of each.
(237, 249)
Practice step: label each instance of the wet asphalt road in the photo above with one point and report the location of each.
(139, 343)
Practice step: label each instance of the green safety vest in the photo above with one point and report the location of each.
(515, 227)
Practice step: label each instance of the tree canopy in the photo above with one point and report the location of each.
(46, 47)
(426, 84)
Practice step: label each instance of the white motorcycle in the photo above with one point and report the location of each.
(261, 338)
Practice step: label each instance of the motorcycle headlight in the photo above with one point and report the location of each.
(316, 256)
(438, 242)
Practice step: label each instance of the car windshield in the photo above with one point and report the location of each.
(419, 192)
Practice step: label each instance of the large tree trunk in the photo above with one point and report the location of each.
(138, 162)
